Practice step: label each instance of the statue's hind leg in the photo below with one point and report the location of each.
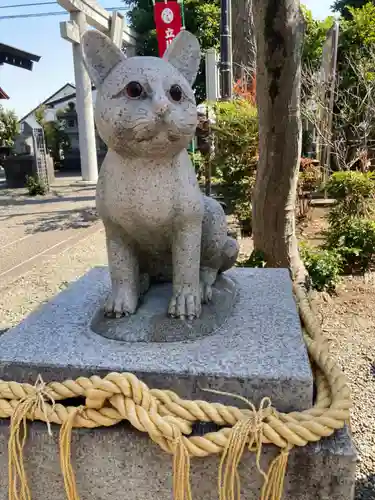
(219, 252)
(229, 254)
(207, 278)
(225, 259)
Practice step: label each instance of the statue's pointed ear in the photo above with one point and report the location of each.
(185, 55)
(100, 55)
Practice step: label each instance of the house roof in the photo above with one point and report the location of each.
(65, 98)
(48, 99)
(3, 95)
(17, 57)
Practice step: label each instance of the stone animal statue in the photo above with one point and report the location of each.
(158, 224)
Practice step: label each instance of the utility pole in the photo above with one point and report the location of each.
(226, 51)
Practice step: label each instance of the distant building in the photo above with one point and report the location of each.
(64, 100)
(62, 96)
(3, 95)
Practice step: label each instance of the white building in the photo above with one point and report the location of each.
(58, 101)
(63, 100)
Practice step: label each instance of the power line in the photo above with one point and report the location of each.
(35, 4)
(46, 14)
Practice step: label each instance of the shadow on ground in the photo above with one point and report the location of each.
(21, 199)
(365, 488)
(59, 221)
(64, 189)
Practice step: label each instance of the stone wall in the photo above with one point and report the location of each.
(18, 168)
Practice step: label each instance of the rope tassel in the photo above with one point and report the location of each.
(246, 432)
(274, 486)
(65, 441)
(181, 471)
(26, 408)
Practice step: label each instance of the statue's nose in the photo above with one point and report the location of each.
(161, 107)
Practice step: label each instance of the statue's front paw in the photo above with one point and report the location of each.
(185, 303)
(121, 302)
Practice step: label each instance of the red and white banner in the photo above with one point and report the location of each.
(168, 23)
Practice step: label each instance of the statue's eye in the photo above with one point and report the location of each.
(175, 92)
(134, 89)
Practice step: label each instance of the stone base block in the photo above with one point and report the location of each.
(119, 462)
(258, 351)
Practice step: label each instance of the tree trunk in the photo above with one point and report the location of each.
(243, 36)
(279, 29)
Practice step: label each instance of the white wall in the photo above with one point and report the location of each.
(50, 114)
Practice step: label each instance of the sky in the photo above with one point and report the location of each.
(41, 36)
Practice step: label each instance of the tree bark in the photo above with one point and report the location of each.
(279, 30)
(243, 38)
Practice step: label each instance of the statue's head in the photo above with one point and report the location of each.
(145, 106)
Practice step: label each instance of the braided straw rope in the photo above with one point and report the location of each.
(168, 420)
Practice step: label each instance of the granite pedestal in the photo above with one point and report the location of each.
(257, 351)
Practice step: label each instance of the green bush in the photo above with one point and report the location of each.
(310, 175)
(323, 266)
(354, 240)
(353, 192)
(257, 260)
(35, 187)
(244, 216)
(198, 162)
(236, 147)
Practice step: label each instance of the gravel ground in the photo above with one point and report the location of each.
(43, 281)
(348, 320)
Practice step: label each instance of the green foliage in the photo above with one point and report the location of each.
(201, 18)
(56, 139)
(236, 146)
(9, 127)
(315, 35)
(357, 39)
(244, 215)
(39, 115)
(351, 232)
(353, 123)
(354, 239)
(310, 175)
(35, 187)
(323, 266)
(354, 192)
(256, 260)
(198, 161)
(54, 134)
(344, 6)
(235, 159)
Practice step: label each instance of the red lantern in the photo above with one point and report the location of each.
(168, 23)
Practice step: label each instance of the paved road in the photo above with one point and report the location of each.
(34, 230)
